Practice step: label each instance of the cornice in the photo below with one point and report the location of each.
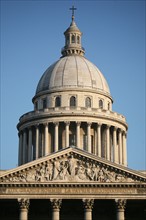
(75, 185)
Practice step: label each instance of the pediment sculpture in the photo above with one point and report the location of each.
(68, 169)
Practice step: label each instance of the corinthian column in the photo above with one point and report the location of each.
(124, 150)
(56, 136)
(46, 139)
(37, 142)
(88, 206)
(121, 204)
(30, 145)
(108, 142)
(24, 146)
(56, 205)
(78, 134)
(67, 133)
(99, 139)
(120, 147)
(89, 136)
(24, 205)
(20, 148)
(115, 144)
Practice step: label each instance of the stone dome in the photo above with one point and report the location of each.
(72, 107)
(73, 72)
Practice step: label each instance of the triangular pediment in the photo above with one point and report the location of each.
(72, 165)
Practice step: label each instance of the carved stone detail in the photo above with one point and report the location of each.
(23, 203)
(120, 203)
(56, 203)
(88, 203)
(69, 168)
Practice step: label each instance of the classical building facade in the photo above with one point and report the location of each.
(72, 149)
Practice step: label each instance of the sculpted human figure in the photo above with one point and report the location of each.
(56, 169)
(89, 171)
(40, 174)
(63, 171)
(101, 175)
(81, 172)
(30, 176)
(95, 171)
(49, 172)
(22, 178)
(37, 176)
(71, 166)
(120, 178)
(17, 179)
(110, 176)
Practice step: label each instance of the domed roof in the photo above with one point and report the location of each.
(73, 72)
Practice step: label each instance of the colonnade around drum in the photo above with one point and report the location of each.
(103, 140)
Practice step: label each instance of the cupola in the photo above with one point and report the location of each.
(73, 39)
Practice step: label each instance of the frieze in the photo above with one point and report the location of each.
(64, 190)
(68, 169)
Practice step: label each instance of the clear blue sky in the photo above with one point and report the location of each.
(114, 40)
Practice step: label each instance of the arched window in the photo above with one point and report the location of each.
(100, 104)
(72, 101)
(78, 39)
(88, 102)
(73, 39)
(58, 101)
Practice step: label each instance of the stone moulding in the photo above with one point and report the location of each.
(73, 191)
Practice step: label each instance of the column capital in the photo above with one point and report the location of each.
(23, 203)
(99, 124)
(89, 124)
(88, 203)
(29, 127)
(115, 128)
(124, 133)
(56, 123)
(108, 126)
(56, 203)
(120, 203)
(45, 124)
(120, 130)
(67, 122)
(36, 125)
(78, 123)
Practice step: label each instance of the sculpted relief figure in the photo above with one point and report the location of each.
(56, 169)
(40, 174)
(89, 171)
(81, 172)
(95, 170)
(49, 172)
(71, 166)
(63, 171)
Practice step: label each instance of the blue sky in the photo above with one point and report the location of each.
(114, 40)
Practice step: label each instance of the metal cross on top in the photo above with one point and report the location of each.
(73, 9)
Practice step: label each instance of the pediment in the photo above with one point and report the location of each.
(71, 165)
